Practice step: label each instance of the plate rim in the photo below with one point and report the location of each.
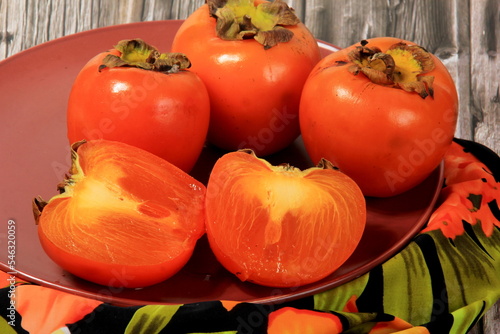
(350, 276)
(116, 300)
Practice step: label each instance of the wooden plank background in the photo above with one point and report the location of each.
(464, 34)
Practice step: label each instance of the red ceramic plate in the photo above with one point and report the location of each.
(35, 156)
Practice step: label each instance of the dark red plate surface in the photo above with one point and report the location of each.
(34, 152)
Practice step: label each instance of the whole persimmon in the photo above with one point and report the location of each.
(254, 57)
(384, 111)
(136, 95)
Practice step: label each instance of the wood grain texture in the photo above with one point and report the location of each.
(464, 34)
(485, 72)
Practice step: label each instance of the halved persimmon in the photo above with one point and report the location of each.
(124, 218)
(280, 226)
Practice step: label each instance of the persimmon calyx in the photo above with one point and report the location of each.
(241, 19)
(286, 168)
(326, 164)
(37, 206)
(139, 54)
(65, 187)
(401, 66)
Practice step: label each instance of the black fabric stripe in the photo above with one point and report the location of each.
(213, 317)
(383, 317)
(372, 298)
(452, 242)
(104, 319)
(201, 317)
(470, 232)
(484, 154)
(302, 303)
(441, 325)
(438, 284)
(495, 210)
(343, 320)
(252, 318)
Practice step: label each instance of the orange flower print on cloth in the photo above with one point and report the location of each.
(289, 320)
(471, 195)
(40, 310)
(294, 321)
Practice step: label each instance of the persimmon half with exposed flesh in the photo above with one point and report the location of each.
(124, 218)
(278, 225)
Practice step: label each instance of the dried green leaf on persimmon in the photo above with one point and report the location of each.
(241, 19)
(401, 66)
(139, 54)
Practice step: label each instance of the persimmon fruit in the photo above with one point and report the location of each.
(124, 217)
(278, 225)
(254, 57)
(136, 95)
(384, 111)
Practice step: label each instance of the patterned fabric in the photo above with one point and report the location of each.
(443, 281)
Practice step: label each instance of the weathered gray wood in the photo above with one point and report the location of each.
(492, 322)
(464, 34)
(485, 72)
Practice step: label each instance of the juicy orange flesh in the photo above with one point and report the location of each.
(123, 213)
(281, 225)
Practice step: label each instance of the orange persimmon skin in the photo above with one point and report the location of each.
(281, 228)
(148, 109)
(130, 219)
(254, 92)
(386, 139)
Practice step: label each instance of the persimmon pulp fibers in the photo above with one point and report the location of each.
(280, 226)
(124, 218)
